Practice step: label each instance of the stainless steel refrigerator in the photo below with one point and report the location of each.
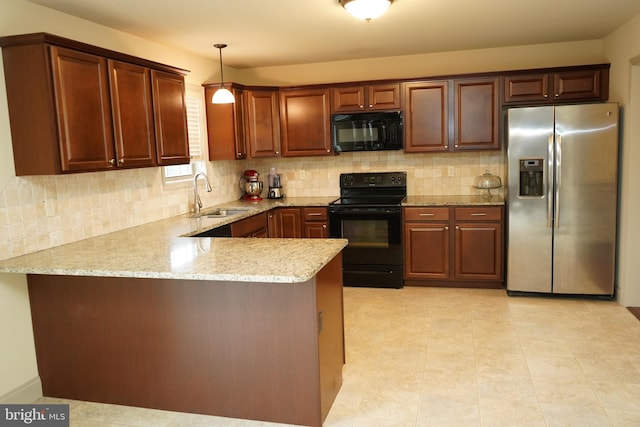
(562, 198)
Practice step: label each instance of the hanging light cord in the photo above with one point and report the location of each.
(220, 46)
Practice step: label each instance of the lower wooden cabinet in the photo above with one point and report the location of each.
(315, 224)
(454, 246)
(285, 222)
(254, 226)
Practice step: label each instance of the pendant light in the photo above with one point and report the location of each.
(222, 95)
(366, 9)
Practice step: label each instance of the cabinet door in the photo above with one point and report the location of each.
(426, 250)
(82, 103)
(383, 96)
(577, 85)
(527, 88)
(170, 114)
(225, 126)
(478, 243)
(305, 122)
(131, 106)
(263, 124)
(426, 117)
(476, 114)
(347, 99)
(291, 224)
(478, 251)
(254, 226)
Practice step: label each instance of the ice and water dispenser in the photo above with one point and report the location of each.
(531, 178)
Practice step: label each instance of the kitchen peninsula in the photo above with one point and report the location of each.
(243, 328)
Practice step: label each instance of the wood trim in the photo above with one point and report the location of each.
(38, 38)
(635, 311)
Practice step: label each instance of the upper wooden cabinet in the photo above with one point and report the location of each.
(170, 112)
(132, 113)
(426, 116)
(584, 84)
(451, 115)
(75, 107)
(374, 97)
(263, 122)
(226, 125)
(305, 122)
(476, 114)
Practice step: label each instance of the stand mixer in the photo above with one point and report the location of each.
(251, 186)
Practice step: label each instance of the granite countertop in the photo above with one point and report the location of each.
(494, 200)
(161, 250)
(165, 249)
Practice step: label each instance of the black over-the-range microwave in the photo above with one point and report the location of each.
(370, 131)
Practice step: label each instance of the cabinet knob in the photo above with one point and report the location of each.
(324, 226)
(557, 95)
(112, 162)
(457, 227)
(370, 105)
(446, 227)
(121, 161)
(546, 96)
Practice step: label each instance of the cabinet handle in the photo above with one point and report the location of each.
(370, 105)
(557, 95)
(457, 227)
(112, 162)
(479, 214)
(324, 226)
(546, 95)
(427, 214)
(315, 214)
(446, 227)
(121, 161)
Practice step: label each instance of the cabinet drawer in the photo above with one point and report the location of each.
(314, 214)
(479, 213)
(426, 214)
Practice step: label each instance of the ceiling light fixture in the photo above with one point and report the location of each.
(222, 95)
(366, 9)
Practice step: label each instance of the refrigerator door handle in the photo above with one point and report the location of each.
(557, 180)
(550, 182)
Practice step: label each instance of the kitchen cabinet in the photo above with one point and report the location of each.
(478, 243)
(373, 97)
(132, 113)
(426, 116)
(263, 122)
(451, 115)
(170, 112)
(74, 107)
(254, 226)
(285, 222)
(454, 246)
(305, 122)
(315, 222)
(226, 125)
(581, 84)
(476, 114)
(426, 243)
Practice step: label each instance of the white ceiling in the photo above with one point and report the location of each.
(283, 32)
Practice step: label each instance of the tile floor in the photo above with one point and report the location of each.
(462, 357)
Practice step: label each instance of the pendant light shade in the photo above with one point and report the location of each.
(366, 9)
(222, 95)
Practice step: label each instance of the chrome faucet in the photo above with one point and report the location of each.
(197, 203)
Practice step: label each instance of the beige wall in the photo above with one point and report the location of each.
(39, 212)
(622, 49)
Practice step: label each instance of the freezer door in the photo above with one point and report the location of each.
(529, 256)
(585, 197)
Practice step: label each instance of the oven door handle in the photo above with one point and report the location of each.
(359, 211)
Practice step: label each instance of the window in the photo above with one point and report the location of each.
(195, 117)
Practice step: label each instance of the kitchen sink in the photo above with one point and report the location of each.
(222, 213)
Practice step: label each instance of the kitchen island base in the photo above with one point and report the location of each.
(261, 351)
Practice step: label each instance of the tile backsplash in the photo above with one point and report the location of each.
(39, 212)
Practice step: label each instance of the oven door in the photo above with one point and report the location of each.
(373, 256)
